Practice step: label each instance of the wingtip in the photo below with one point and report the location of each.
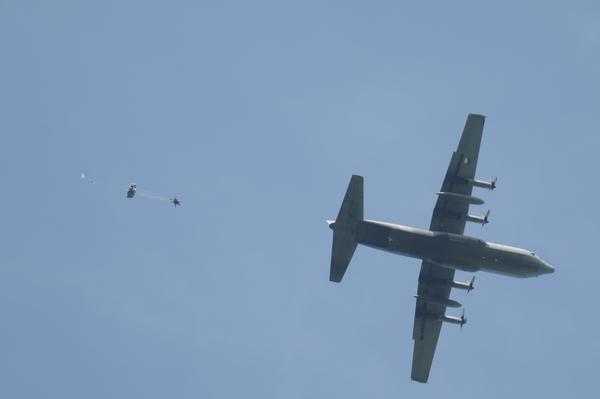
(477, 115)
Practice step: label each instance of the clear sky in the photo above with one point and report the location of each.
(256, 114)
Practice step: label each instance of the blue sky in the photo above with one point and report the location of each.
(256, 114)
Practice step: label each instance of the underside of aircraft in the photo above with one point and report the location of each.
(442, 249)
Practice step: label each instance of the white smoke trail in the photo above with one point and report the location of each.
(153, 196)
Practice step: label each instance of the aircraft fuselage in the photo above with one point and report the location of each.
(454, 251)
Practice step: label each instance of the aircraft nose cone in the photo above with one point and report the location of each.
(546, 268)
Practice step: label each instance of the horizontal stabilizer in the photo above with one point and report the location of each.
(351, 210)
(341, 254)
(345, 228)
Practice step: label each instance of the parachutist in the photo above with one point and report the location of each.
(132, 190)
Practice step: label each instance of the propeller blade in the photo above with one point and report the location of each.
(493, 181)
(485, 219)
(471, 284)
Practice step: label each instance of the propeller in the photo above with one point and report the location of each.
(463, 320)
(471, 284)
(485, 219)
(493, 181)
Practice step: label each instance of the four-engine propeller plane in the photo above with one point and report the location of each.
(443, 248)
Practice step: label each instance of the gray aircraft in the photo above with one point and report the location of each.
(443, 248)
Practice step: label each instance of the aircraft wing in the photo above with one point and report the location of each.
(434, 281)
(448, 216)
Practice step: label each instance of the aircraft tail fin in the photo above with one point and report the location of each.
(345, 229)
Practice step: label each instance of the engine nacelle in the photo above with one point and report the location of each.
(461, 321)
(482, 220)
(468, 285)
(489, 184)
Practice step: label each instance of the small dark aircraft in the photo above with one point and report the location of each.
(176, 202)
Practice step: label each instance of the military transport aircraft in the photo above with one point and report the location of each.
(443, 248)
